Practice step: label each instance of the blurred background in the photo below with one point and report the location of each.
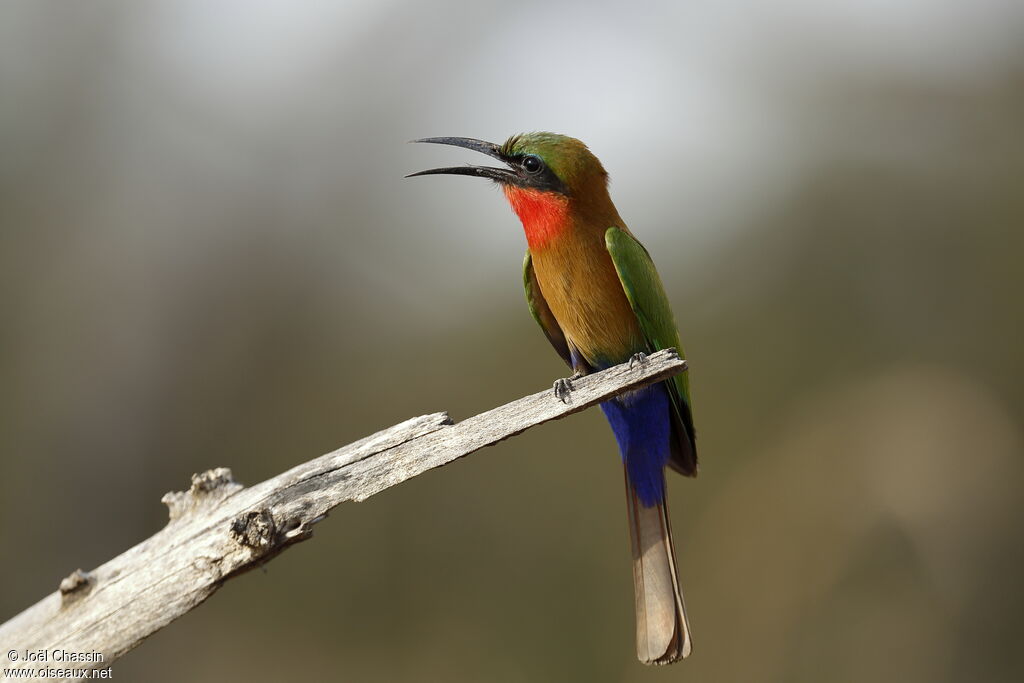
(209, 257)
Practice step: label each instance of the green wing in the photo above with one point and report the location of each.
(647, 298)
(542, 313)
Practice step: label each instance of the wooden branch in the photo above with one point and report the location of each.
(219, 529)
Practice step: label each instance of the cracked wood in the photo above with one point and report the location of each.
(219, 528)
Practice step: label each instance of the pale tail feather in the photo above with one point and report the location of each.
(662, 629)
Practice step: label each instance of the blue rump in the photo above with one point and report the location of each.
(642, 426)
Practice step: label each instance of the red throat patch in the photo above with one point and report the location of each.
(545, 215)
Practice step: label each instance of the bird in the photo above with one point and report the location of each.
(594, 291)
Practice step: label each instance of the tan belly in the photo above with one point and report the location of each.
(583, 291)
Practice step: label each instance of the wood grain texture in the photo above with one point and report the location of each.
(219, 529)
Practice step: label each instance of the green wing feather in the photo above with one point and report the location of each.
(542, 313)
(647, 298)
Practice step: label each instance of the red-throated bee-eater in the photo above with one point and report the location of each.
(594, 291)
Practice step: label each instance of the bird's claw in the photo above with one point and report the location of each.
(639, 358)
(563, 387)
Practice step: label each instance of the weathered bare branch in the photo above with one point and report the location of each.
(218, 528)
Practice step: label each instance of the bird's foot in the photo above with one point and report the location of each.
(564, 387)
(639, 358)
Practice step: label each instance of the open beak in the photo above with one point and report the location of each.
(501, 175)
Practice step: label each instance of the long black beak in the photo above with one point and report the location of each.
(502, 175)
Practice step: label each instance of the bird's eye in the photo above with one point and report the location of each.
(532, 164)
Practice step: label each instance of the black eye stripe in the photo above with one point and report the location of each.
(535, 173)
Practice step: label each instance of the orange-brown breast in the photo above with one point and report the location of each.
(580, 285)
